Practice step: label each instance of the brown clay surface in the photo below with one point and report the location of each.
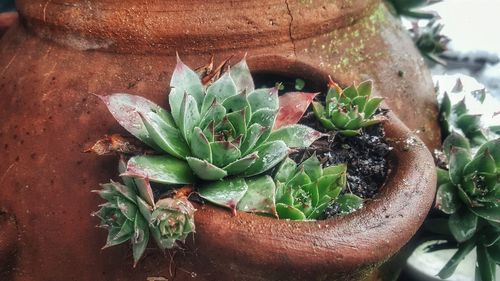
(64, 52)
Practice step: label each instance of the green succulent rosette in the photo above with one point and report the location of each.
(469, 192)
(224, 129)
(131, 214)
(172, 221)
(348, 110)
(304, 191)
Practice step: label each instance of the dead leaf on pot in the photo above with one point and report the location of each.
(116, 144)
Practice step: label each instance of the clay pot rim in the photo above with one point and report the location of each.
(127, 27)
(367, 236)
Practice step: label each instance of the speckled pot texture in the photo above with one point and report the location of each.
(61, 53)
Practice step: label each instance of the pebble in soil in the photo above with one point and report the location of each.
(365, 156)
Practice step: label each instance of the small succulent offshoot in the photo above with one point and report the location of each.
(457, 117)
(348, 110)
(304, 191)
(469, 192)
(226, 128)
(131, 214)
(429, 40)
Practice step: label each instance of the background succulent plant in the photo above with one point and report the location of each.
(131, 214)
(409, 8)
(348, 110)
(221, 129)
(469, 192)
(429, 40)
(457, 117)
(304, 191)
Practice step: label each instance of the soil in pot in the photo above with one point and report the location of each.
(365, 154)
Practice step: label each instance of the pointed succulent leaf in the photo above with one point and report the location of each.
(318, 109)
(260, 196)
(299, 179)
(445, 106)
(184, 80)
(463, 250)
(125, 109)
(189, 117)
(371, 106)
(494, 252)
(200, 146)
(312, 167)
(355, 123)
(140, 239)
(224, 152)
(254, 133)
(289, 212)
(330, 185)
(459, 157)
(242, 77)
(339, 119)
(270, 154)
(220, 90)
(144, 208)
(360, 102)
(296, 136)
(335, 169)
(205, 170)
(349, 203)
(238, 102)
(351, 92)
(447, 199)
(238, 120)
(490, 213)
(493, 147)
(460, 108)
(225, 193)
(481, 163)
(240, 165)
(265, 118)
(127, 208)
(327, 123)
(463, 224)
(113, 239)
(286, 170)
(292, 107)
(476, 137)
(485, 266)
(215, 114)
(166, 137)
(145, 191)
(455, 140)
(365, 88)
(264, 98)
(468, 123)
(161, 169)
(443, 177)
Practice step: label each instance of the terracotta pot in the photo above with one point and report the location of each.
(63, 52)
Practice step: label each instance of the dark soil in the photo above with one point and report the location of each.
(365, 156)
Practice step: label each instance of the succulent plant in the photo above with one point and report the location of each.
(348, 110)
(407, 8)
(469, 192)
(429, 40)
(172, 220)
(304, 191)
(131, 214)
(457, 117)
(216, 130)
